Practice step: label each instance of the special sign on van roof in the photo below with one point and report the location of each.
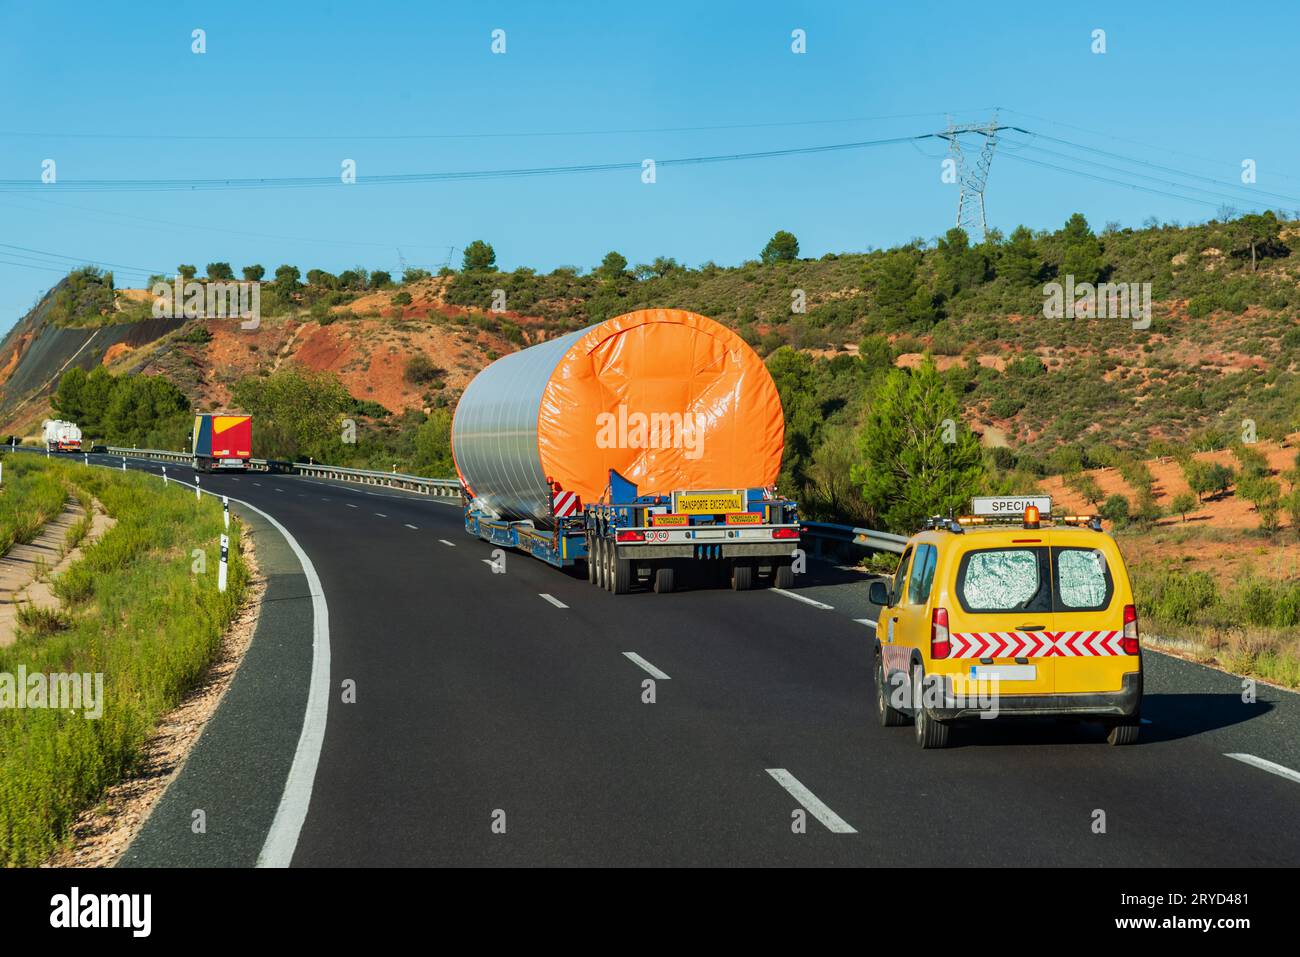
(994, 505)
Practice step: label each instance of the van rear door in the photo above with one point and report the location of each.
(1089, 619)
(1001, 629)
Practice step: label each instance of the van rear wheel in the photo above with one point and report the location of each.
(1124, 732)
(930, 731)
(888, 716)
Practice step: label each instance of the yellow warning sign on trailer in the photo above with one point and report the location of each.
(709, 503)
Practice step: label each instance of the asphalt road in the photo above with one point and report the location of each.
(489, 702)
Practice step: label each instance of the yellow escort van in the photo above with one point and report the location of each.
(1005, 613)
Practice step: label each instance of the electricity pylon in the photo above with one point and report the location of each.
(971, 178)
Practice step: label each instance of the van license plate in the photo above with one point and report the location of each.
(1004, 673)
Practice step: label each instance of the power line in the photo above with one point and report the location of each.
(1105, 179)
(78, 259)
(1142, 162)
(297, 182)
(1123, 139)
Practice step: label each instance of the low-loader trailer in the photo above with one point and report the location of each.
(645, 447)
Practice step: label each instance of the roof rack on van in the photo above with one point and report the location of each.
(1027, 510)
(940, 524)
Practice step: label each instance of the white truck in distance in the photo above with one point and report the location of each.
(62, 436)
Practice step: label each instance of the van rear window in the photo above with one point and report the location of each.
(1004, 579)
(1083, 581)
(1034, 579)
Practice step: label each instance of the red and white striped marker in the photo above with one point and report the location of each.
(565, 504)
(1036, 644)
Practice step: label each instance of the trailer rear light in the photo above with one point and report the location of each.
(631, 536)
(940, 644)
(785, 533)
(1130, 640)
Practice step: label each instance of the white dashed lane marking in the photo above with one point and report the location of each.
(1280, 770)
(654, 672)
(553, 600)
(807, 601)
(834, 823)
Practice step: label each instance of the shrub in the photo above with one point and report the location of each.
(421, 370)
(1116, 510)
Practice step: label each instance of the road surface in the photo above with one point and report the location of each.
(499, 719)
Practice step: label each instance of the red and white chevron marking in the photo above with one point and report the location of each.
(565, 504)
(1036, 644)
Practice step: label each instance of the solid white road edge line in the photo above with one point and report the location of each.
(806, 601)
(834, 823)
(636, 659)
(1278, 769)
(551, 598)
(282, 838)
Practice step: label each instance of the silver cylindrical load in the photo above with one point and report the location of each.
(494, 432)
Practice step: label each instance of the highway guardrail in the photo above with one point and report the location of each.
(442, 488)
(826, 532)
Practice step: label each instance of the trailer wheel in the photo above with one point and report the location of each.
(783, 576)
(601, 570)
(607, 550)
(663, 579)
(620, 572)
(591, 560)
(742, 576)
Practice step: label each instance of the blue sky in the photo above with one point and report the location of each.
(1211, 83)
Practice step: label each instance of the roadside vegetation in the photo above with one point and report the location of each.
(132, 608)
(1250, 626)
(29, 497)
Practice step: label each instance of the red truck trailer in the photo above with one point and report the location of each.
(222, 440)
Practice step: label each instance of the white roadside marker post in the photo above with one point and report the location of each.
(87, 454)
(198, 496)
(124, 463)
(225, 510)
(221, 569)
(164, 468)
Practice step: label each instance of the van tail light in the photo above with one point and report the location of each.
(940, 645)
(632, 536)
(1130, 641)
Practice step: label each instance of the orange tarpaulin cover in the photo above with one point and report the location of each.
(670, 399)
